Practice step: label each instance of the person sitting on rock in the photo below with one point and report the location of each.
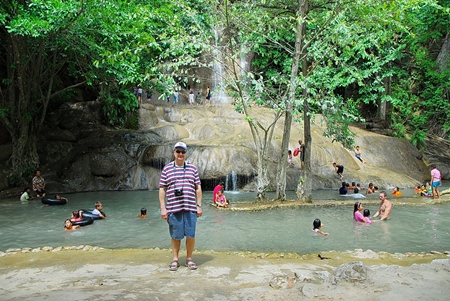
(39, 184)
(221, 200)
(220, 186)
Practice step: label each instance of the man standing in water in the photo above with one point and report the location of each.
(385, 207)
(181, 184)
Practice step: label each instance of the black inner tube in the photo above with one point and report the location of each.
(84, 222)
(53, 201)
(88, 213)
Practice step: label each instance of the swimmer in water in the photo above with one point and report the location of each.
(366, 214)
(69, 227)
(77, 216)
(143, 213)
(317, 224)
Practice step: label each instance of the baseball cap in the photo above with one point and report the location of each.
(180, 145)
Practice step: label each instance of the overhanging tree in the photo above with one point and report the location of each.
(108, 44)
(342, 45)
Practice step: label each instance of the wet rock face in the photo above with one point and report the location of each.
(79, 154)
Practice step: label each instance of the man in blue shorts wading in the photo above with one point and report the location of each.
(180, 183)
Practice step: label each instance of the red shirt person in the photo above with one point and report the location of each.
(217, 189)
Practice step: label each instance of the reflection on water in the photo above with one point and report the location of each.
(411, 229)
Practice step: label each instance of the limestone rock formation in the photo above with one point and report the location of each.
(79, 154)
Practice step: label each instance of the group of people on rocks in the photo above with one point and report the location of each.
(339, 168)
(38, 184)
(423, 190)
(300, 152)
(192, 97)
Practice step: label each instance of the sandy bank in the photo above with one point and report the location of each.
(144, 275)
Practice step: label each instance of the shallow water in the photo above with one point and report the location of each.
(411, 228)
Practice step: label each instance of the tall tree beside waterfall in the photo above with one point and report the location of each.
(50, 47)
(341, 48)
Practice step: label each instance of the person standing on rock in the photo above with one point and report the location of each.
(208, 96)
(435, 181)
(191, 97)
(301, 154)
(175, 97)
(385, 207)
(358, 155)
(139, 95)
(180, 185)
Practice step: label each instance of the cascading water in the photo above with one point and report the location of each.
(217, 87)
(231, 182)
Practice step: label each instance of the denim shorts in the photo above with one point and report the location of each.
(182, 224)
(436, 184)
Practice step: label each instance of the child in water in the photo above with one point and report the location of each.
(143, 213)
(58, 197)
(98, 210)
(424, 191)
(429, 189)
(25, 196)
(317, 224)
(77, 216)
(366, 214)
(221, 199)
(69, 227)
(396, 191)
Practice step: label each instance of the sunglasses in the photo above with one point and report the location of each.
(180, 152)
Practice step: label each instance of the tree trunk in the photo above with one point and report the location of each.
(282, 163)
(382, 104)
(443, 58)
(262, 180)
(30, 73)
(304, 186)
(24, 159)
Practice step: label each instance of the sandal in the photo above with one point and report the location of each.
(173, 266)
(191, 265)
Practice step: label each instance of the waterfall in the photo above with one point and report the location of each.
(218, 94)
(231, 181)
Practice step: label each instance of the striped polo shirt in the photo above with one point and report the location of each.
(186, 178)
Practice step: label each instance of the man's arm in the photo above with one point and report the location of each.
(198, 195)
(377, 213)
(162, 201)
